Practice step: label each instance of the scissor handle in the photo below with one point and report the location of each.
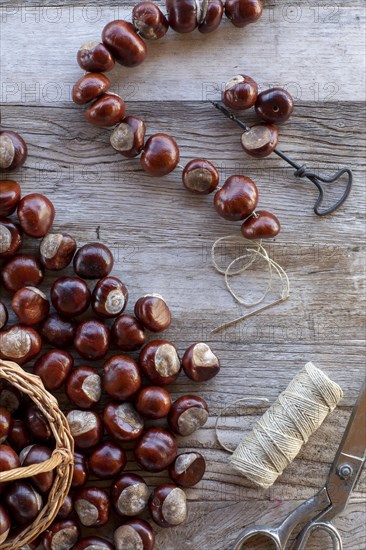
(304, 536)
(255, 531)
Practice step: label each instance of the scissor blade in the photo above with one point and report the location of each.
(349, 459)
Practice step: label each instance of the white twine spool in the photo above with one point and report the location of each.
(279, 434)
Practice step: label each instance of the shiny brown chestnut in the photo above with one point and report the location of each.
(106, 111)
(160, 362)
(8, 461)
(188, 469)
(80, 474)
(200, 177)
(10, 397)
(89, 87)
(237, 198)
(61, 535)
(92, 506)
(93, 261)
(37, 423)
(153, 402)
(36, 454)
(129, 495)
(70, 296)
(243, 12)
(240, 92)
(107, 460)
(128, 333)
(53, 367)
(260, 141)
(128, 138)
(58, 332)
(274, 106)
(200, 363)
(57, 250)
(188, 414)
(262, 225)
(86, 428)
(168, 505)
(149, 21)
(66, 509)
(160, 155)
(124, 43)
(6, 424)
(109, 297)
(134, 533)
(5, 524)
(84, 387)
(182, 15)
(155, 450)
(9, 197)
(121, 377)
(20, 271)
(211, 16)
(13, 150)
(94, 57)
(93, 543)
(3, 315)
(30, 305)
(19, 437)
(92, 339)
(22, 501)
(153, 312)
(10, 238)
(36, 214)
(122, 422)
(19, 343)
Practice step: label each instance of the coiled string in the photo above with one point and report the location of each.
(279, 434)
(252, 252)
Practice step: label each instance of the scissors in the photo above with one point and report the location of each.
(332, 499)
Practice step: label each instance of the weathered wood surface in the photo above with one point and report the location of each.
(162, 237)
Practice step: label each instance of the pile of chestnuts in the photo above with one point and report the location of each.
(111, 407)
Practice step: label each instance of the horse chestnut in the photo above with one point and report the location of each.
(122, 422)
(160, 362)
(92, 506)
(168, 505)
(57, 250)
(83, 387)
(188, 414)
(36, 214)
(155, 450)
(200, 363)
(129, 495)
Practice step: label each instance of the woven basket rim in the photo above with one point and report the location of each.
(61, 459)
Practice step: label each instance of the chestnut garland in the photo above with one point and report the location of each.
(122, 42)
(25, 435)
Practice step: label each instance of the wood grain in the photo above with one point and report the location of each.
(161, 236)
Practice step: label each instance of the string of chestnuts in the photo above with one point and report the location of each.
(123, 42)
(108, 408)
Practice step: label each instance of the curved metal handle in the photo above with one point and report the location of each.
(318, 180)
(251, 532)
(305, 534)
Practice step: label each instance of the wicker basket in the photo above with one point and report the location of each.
(61, 459)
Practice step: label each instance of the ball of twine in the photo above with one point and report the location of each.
(61, 460)
(278, 436)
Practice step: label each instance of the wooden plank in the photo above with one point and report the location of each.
(161, 236)
(200, 64)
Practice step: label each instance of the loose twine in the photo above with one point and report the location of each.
(253, 251)
(61, 460)
(277, 437)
